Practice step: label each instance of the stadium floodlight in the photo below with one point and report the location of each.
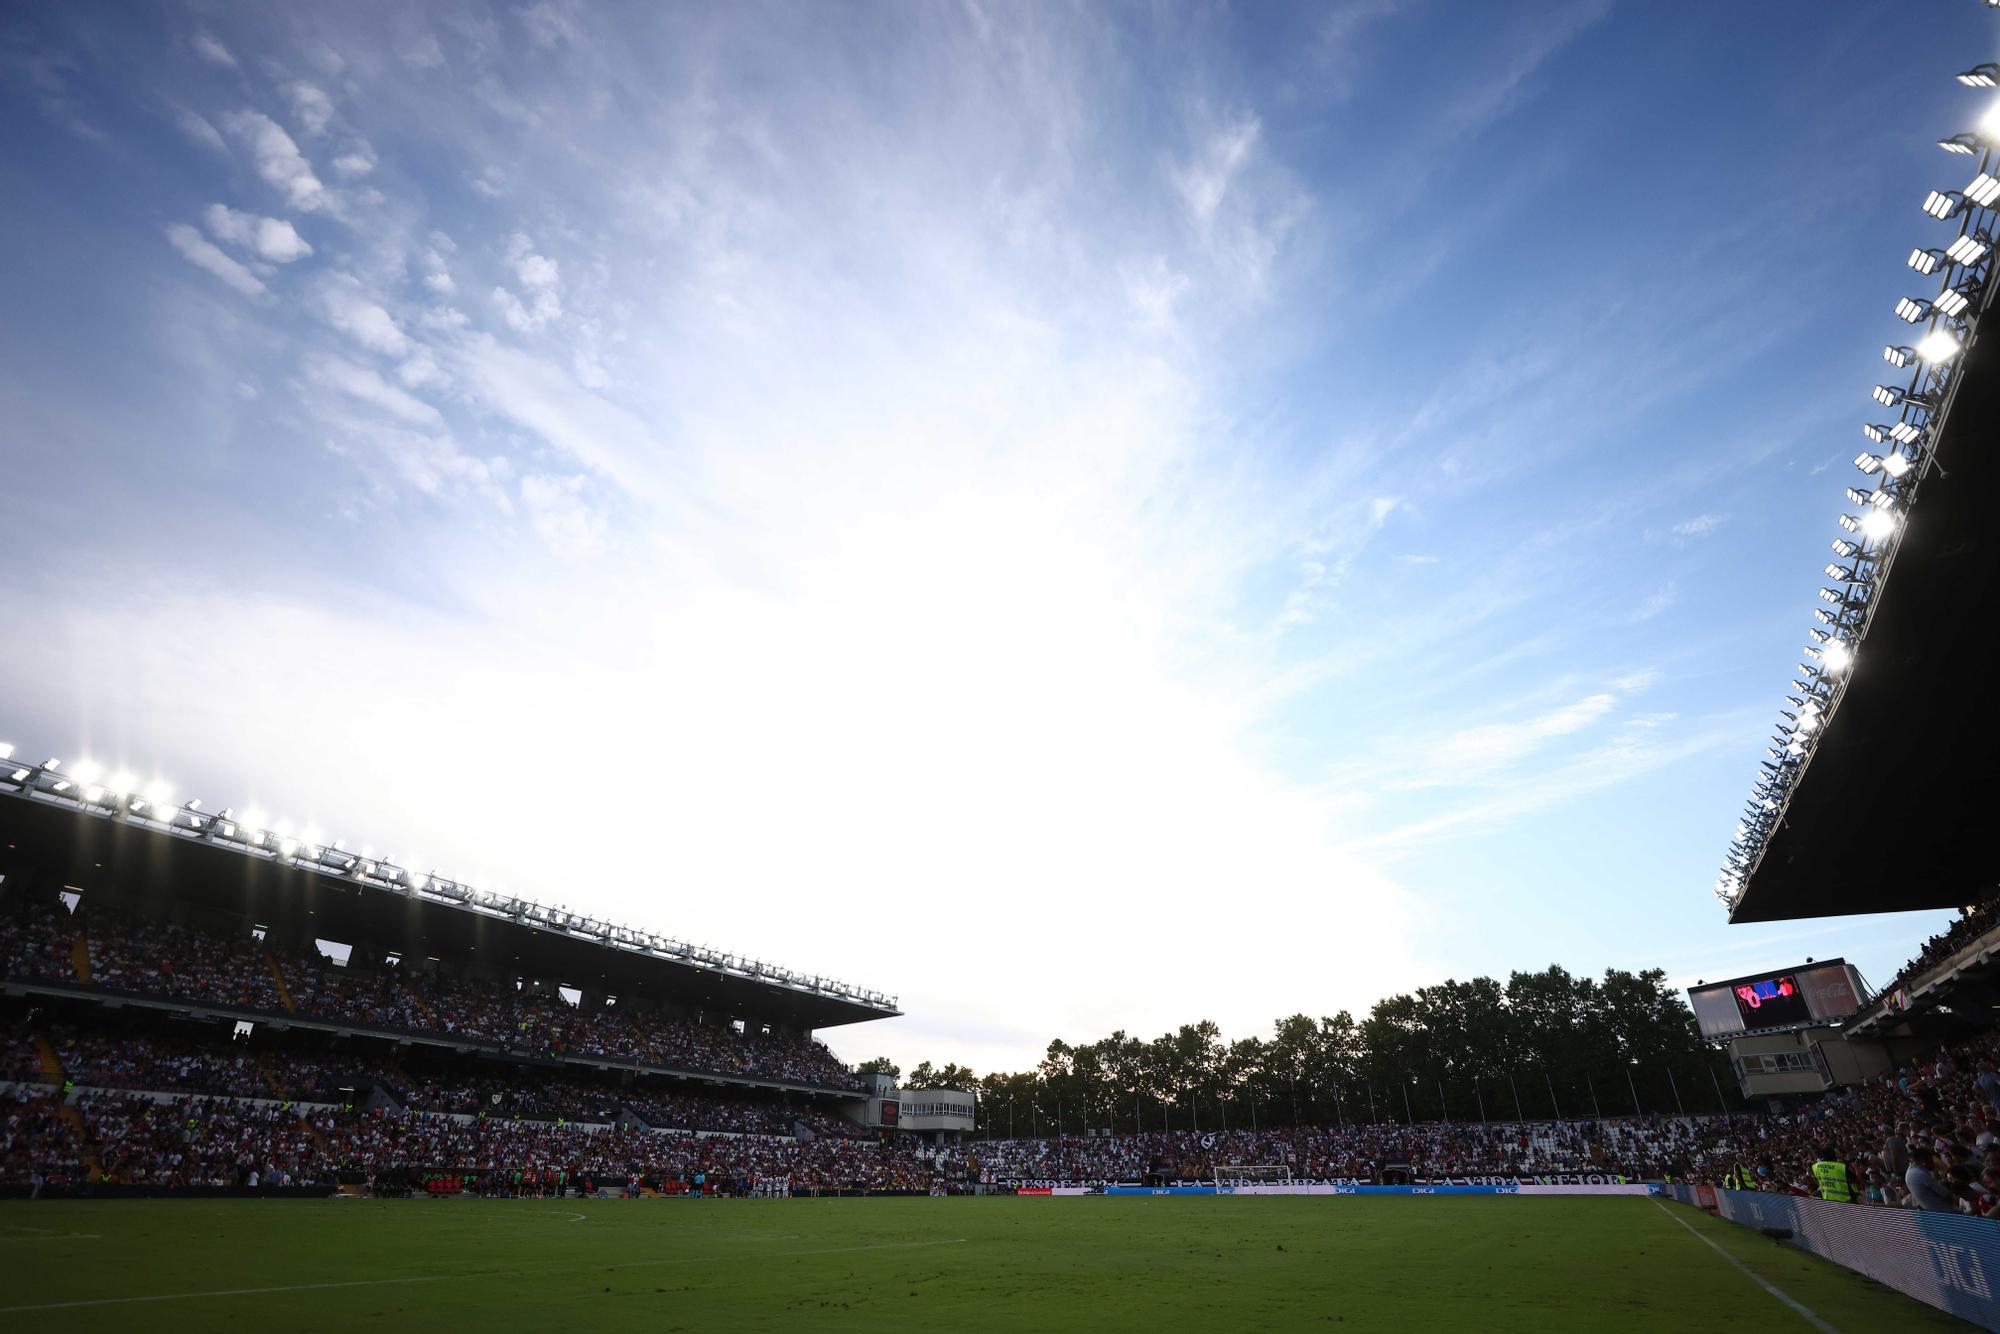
(1855, 496)
(6, 750)
(1985, 188)
(1905, 434)
(1926, 261)
(1960, 143)
(1877, 524)
(1950, 302)
(86, 771)
(18, 776)
(1843, 574)
(1912, 310)
(1981, 76)
(1938, 345)
(1879, 434)
(1880, 499)
(1895, 465)
(1838, 656)
(1868, 463)
(1843, 547)
(1899, 357)
(1969, 248)
(1943, 204)
(1829, 595)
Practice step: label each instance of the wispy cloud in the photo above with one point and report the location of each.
(278, 159)
(1700, 526)
(197, 250)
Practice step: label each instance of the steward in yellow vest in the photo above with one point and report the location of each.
(1830, 1172)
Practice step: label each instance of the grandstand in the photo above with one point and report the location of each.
(348, 1019)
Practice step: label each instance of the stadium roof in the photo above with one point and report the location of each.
(1952, 993)
(1890, 812)
(90, 835)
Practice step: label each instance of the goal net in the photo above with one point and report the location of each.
(1252, 1174)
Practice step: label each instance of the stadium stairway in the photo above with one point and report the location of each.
(52, 1071)
(52, 1068)
(79, 955)
(270, 1080)
(417, 999)
(278, 976)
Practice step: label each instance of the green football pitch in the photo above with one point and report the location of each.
(1155, 1264)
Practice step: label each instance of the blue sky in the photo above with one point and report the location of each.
(1085, 517)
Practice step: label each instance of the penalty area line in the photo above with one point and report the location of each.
(1805, 1311)
(481, 1273)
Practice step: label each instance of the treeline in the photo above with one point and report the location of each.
(1540, 1045)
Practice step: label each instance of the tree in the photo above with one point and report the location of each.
(1545, 1043)
(880, 1065)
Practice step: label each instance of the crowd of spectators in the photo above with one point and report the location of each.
(1928, 1136)
(1440, 1149)
(93, 1055)
(148, 957)
(139, 1140)
(1925, 1136)
(1967, 927)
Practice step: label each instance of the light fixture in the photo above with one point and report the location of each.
(1938, 345)
(1951, 302)
(1855, 496)
(1982, 76)
(1911, 310)
(1877, 524)
(1881, 499)
(6, 750)
(1895, 464)
(1968, 248)
(1960, 143)
(1838, 656)
(1899, 356)
(1852, 523)
(1868, 463)
(1903, 433)
(1943, 204)
(1985, 188)
(1879, 434)
(1926, 261)
(1843, 547)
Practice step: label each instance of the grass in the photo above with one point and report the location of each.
(1144, 1264)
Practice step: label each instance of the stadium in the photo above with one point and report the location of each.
(258, 1076)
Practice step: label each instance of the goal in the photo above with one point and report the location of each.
(1252, 1174)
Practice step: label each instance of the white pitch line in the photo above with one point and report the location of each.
(228, 1292)
(1744, 1269)
(447, 1278)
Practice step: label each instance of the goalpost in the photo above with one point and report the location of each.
(1252, 1174)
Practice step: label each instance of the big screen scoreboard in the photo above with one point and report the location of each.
(1812, 993)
